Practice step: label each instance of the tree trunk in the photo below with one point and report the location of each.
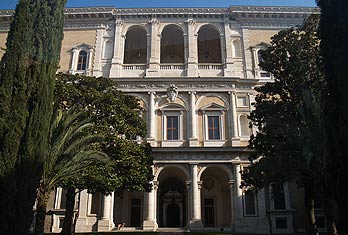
(310, 226)
(330, 207)
(42, 199)
(69, 212)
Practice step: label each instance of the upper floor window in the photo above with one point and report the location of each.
(172, 127)
(209, 45)
(213, 127)
(172, 45)
(135, 51)
(244, 130)
(81, 57)
(257, 59)
(237, 49)
(82, 62)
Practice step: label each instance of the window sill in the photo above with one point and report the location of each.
(172, 143)
(214, 143)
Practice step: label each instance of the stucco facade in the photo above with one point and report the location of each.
(194, 72)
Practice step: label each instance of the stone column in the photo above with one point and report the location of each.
(228, 50)
(192, 60)
(195, 221)
(106, 222)
(116, 62)
(233, 122)
(239, 196)
(153, 67)
(83, 212)
(150, 223)
(232, 199)
(193, 141)
(152, 119)
(74, 55)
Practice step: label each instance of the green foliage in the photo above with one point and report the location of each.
(288, 112)
(27, 72)
(116, 116)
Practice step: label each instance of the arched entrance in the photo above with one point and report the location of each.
(216, 197)
(172, 198)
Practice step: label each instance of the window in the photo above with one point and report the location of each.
(80, 59)
(172, 127)
(209, 215)
(213, 127)
(135, 51)
(263, 74)
(249, 203)
(82, 62)
(278, 196)
(281, 223)
(209, 45)
(172, 45)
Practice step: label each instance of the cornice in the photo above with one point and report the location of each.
(246, 16)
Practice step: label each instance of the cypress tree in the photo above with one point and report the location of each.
(334, 47)
(27, 72)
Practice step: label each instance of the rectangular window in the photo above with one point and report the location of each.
(209, 212)
(281, 223)
(135, 212)
(278, 196)
(172, 127)
(213, 127)
(82, 61)
(250, 202)
(95, 205)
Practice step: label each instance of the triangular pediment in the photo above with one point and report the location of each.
(213, 107)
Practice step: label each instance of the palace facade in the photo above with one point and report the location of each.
(194, 71)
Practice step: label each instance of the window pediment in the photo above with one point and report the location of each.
(213, 107)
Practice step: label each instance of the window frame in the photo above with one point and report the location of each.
(255, 204)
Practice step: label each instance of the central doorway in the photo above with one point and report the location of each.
(172, 203)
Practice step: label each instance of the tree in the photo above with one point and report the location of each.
(288, 115)
(70, 152)
(27, 72)
(333, 35)
(116, 116)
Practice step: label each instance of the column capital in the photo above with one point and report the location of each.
(118, 23)
(192, 93)
(193, 163)
(151, 93)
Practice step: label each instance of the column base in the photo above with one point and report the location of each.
(150, 225)
(193, 142)
(195, 225)
(105, 225)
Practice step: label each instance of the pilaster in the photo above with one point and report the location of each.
(116, 62)
(153, 65)
(192, 60)
(233, 130)
(228, 49)
(247, 55)
(82, 219)
(152, 119)
(97, 67)
(150, 223)
(193, 141)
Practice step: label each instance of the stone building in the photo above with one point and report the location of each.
(194, 71)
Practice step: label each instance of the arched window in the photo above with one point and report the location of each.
(172, 45)
(237, 48)
(82, 61)
(108, 50)
(244, 126)
(209, 45)
(135, 51)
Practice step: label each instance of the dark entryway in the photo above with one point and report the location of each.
(173, 215)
